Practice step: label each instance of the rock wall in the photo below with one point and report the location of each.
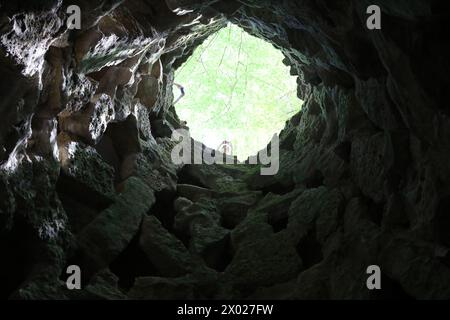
(86, 177)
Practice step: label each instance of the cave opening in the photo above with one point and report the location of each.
(234, 92)
(87, 176)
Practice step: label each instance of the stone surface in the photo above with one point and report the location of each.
(84, 172)
(264, 262)
(112, 230)
(164, 250)
(103, 286)
(192, 192)
(85, 155)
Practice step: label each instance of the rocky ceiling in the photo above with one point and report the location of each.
(86, 177)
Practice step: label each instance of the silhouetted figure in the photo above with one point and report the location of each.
(226, 147)
(182, 92)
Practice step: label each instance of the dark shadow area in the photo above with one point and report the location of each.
(15, 264)
(390, 290)
(315, 180)
(70, 188)
(278, 220)
(163, 208)
(132, 263)
(219, 255)
(186, 177)
(310, 250)
(443, 221)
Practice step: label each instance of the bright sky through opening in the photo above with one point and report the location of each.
(237, 90)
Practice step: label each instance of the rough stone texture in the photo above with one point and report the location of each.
(85, 147)
(112, 230)
(164, 250)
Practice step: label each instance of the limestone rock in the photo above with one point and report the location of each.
(193, 286)
(164, 250)
(192, 192)
(85, 171)
(85, 155)
(263, 263)
(110, 232)
(103, 286)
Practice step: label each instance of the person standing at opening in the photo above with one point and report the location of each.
(226, 147)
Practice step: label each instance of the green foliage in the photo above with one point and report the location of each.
(237, 89)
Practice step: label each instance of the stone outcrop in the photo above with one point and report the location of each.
(86, 176)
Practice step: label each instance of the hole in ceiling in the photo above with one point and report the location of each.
(237, 92)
